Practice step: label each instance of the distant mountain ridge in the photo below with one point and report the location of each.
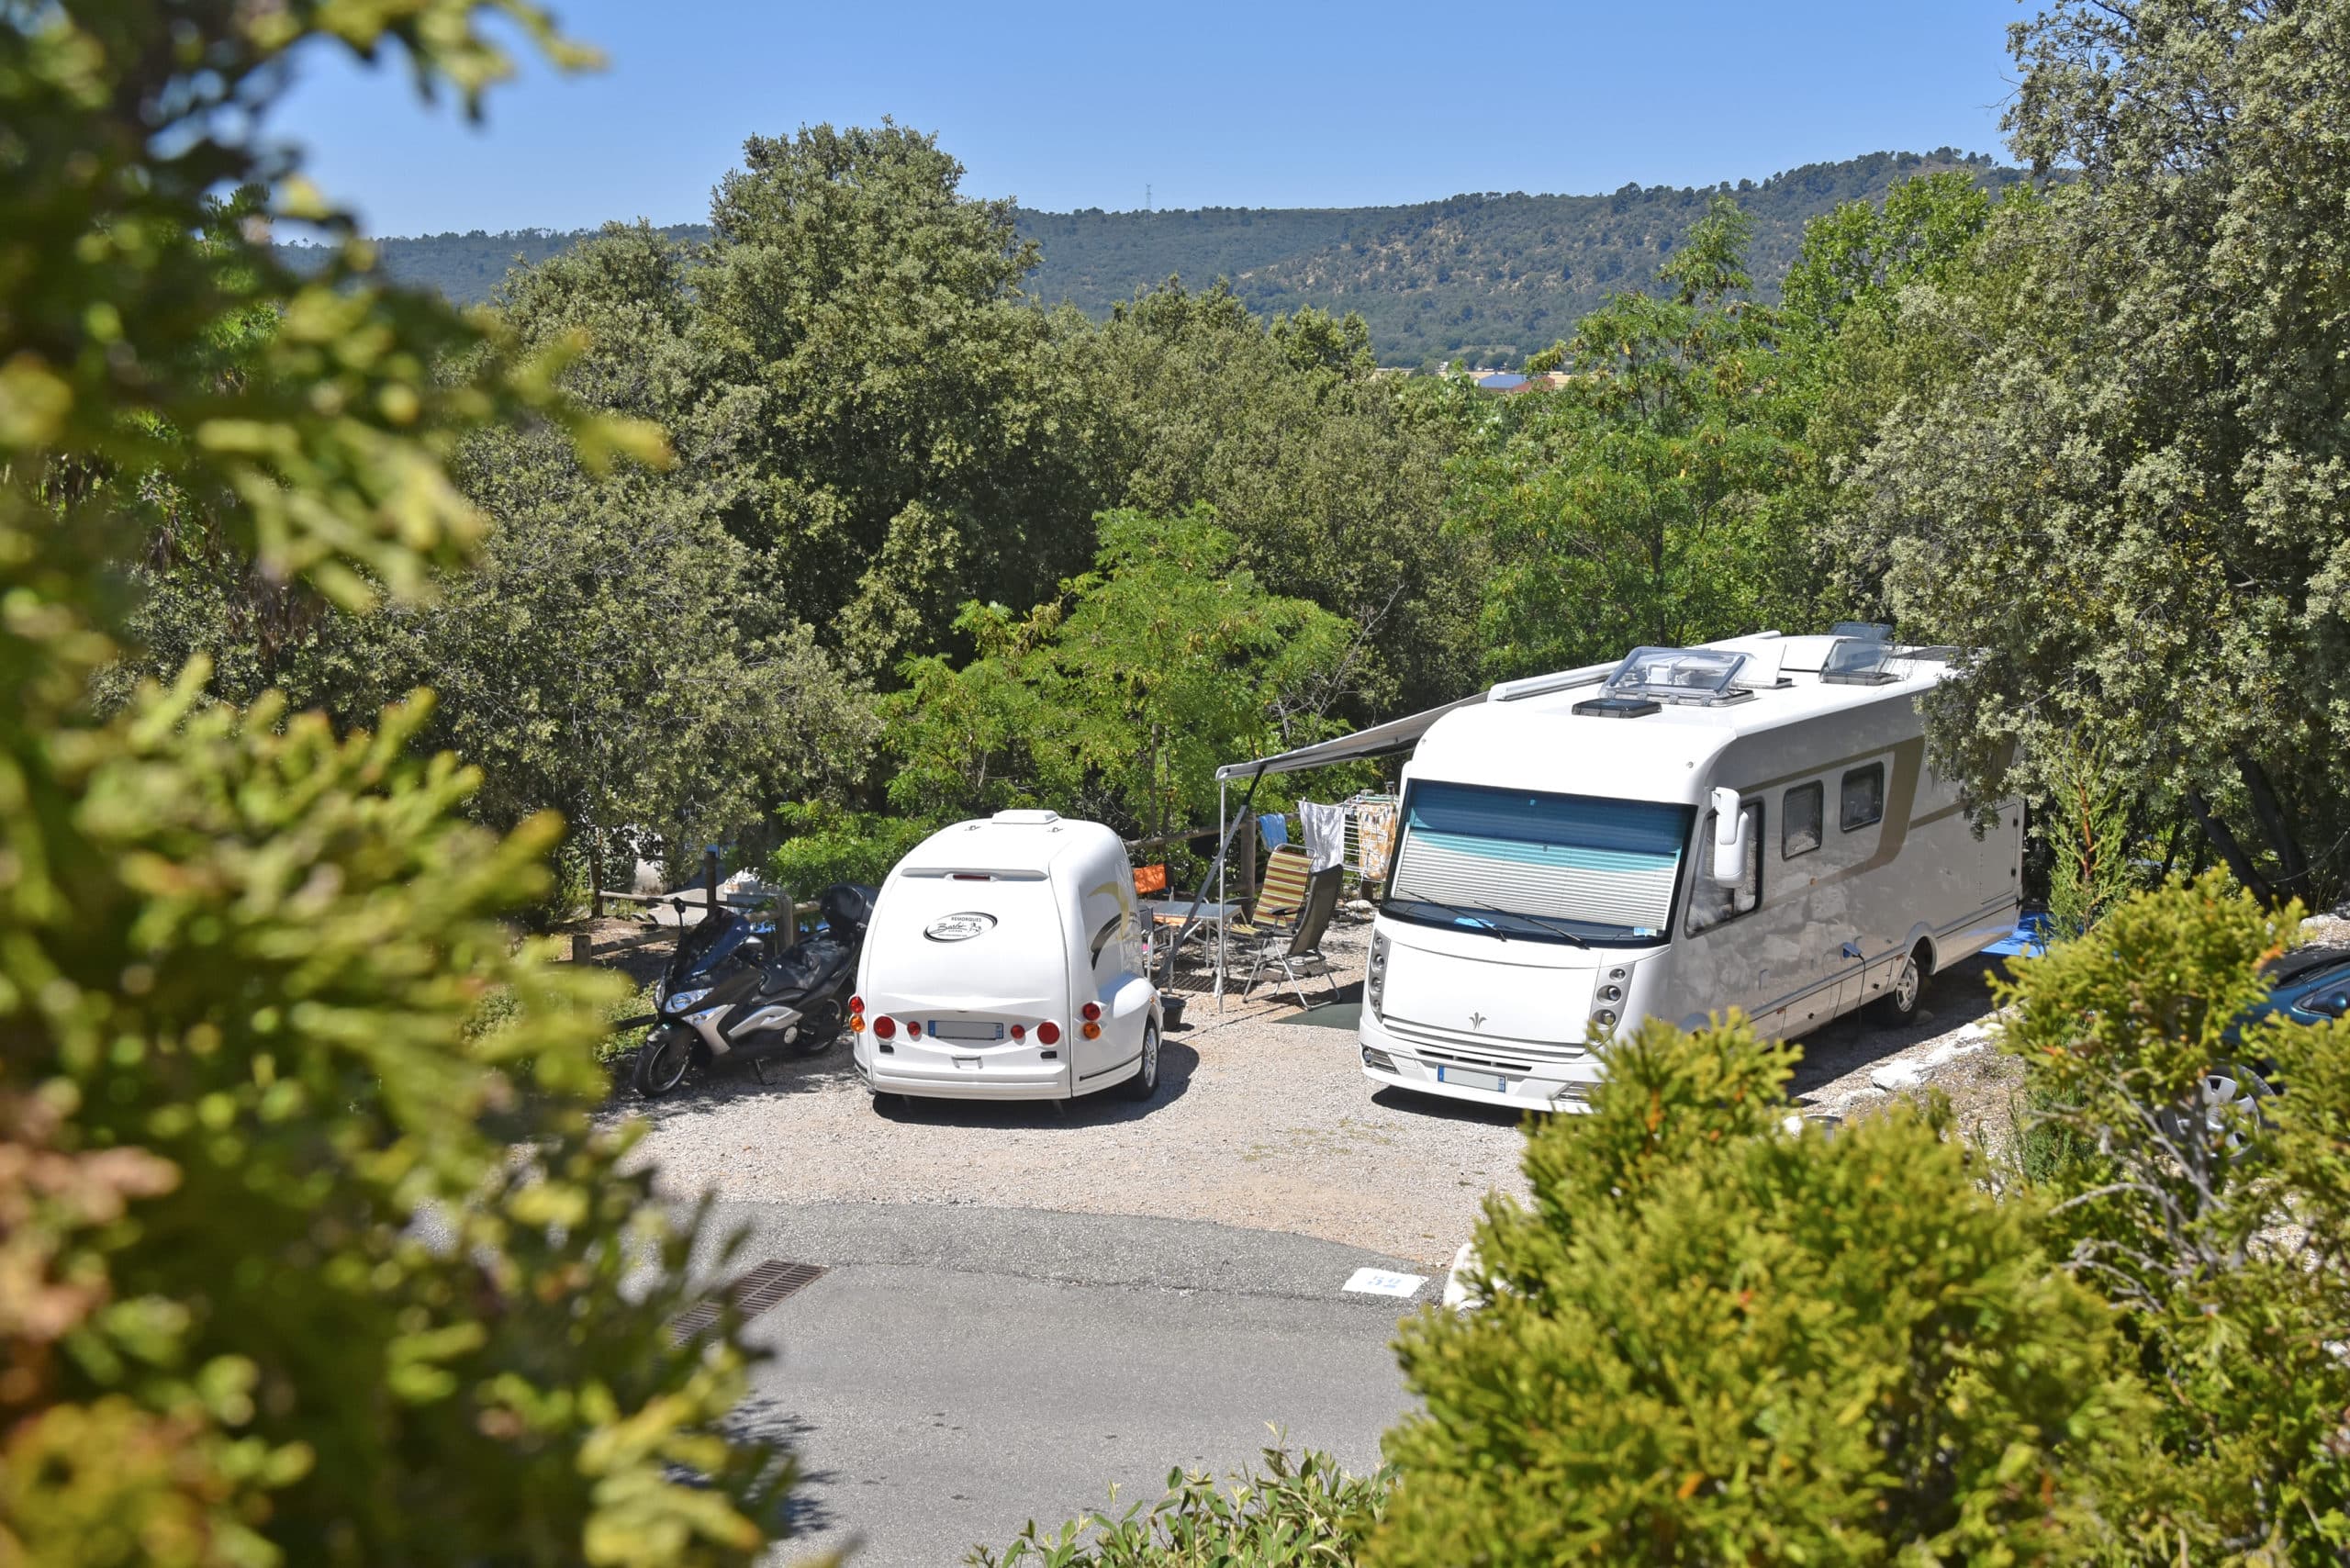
(1489, 278)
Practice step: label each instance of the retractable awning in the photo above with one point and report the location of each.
(1379, 740)
(1402, 734)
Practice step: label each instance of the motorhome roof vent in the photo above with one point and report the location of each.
(1027, 818)
(1761, 672)
(1867, 630)
(1857, 661)
(1650, 678)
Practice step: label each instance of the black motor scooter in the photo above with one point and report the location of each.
(729, 991)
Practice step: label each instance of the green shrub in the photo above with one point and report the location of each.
(1713, 1339)
(309, 1255)
(831, 845)
(2221, 1236)
(1296, 1513)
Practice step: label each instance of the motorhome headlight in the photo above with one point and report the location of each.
(684, 1000)
(1376, 975)
(1379, 1059)
(1605, 1018)
(1611, 993)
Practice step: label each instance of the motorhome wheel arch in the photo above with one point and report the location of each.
(1005, 960)
(1752, 826)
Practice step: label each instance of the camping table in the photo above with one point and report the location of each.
(1173, 912)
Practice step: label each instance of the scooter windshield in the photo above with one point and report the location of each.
(710, 944)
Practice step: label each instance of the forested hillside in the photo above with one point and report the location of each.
(1490, 278)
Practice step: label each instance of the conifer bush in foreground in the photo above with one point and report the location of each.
(1714, 1339)
(2219, 1230)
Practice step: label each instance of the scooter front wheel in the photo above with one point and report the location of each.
(662, 1065)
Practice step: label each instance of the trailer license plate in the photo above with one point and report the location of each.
(1491, 1083)
(965, 1029)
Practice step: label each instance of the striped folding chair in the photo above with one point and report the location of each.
(1298, 953)
(1283, 898)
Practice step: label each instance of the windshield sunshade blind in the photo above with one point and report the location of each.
(1606, 862)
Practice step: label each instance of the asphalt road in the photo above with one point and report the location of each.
(960, 1370)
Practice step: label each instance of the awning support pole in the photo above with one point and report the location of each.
(1223, 835)
(1213, 879)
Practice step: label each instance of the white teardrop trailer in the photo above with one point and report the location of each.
(1006, 960)
(1749, 825)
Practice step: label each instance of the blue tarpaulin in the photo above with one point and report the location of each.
(2029, 940)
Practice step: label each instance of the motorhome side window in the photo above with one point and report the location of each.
(1799, 821)
(1864, 801)
(1710, 903)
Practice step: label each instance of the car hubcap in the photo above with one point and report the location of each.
(1150, 1056)
(1905, 985)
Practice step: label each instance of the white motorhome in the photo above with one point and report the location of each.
(1750, 825)
(1005, 960)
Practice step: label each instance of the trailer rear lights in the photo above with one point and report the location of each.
(1379, 1059)
(914, 1028)
(856, 1023)
(1091, 1012)
(1048, 1033)
(1091, 1031)
(1020, 1031)
(885, 1027)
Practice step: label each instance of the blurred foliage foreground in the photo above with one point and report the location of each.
(272, 1287)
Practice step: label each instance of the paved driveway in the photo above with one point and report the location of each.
(958, 1371)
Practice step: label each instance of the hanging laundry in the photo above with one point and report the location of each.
(1375, 838)
(1326, 835)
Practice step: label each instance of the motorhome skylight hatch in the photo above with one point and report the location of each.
(1705, 678)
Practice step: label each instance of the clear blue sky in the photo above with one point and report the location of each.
(1220, 105)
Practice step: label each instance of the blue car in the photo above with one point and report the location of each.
(2310, 985)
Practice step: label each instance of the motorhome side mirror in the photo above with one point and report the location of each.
(1729, 840)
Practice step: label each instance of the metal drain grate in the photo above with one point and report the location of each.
(752, 1293)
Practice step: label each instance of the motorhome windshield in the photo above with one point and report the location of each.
(1520, 864)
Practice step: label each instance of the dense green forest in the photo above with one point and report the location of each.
(1489, 278)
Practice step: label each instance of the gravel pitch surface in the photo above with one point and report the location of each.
(1257, 1122)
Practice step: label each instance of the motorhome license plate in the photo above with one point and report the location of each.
(965, 1029)
(1491, 1083)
